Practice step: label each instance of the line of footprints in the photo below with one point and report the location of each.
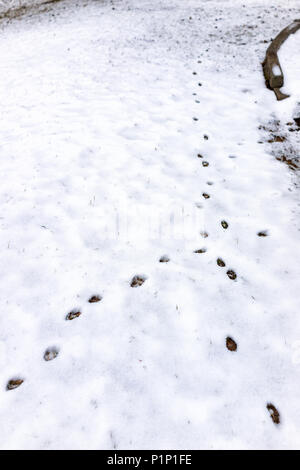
(139, 280)
(52, 353)
(230, 343)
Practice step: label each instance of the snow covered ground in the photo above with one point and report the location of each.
(288, 56)
(129, 131)
(12, 5)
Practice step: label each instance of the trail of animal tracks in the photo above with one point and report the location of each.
(149, 257)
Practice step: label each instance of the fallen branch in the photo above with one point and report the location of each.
(271, 66)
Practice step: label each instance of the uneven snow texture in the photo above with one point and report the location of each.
(7, 5)
(102, 120)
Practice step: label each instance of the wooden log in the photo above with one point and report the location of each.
(271, 66)
(279, 95)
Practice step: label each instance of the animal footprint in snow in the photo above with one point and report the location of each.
(137, 281)
(50, 354)
(262, 233)
(205, 163)
(204, 234)
(164, 259)
(73, 314)
(206, 196)
(201, 250)
(224, 224)
(221, 263)
(14, 383)
(94, 299)
(231, 344)
(231, 274)
(274, 413)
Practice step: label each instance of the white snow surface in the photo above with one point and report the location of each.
(288, 55)
(276, 70)
(98, 101)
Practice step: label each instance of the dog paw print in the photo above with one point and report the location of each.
(73, 314)
(201, 250)
(224, 224)
(221, 263)
(231, 344)
(204, 234)
(94, 299)
(262, 233)
(50, 354)
(274, 413)
(137, 281)
(231, 274)
(14, 383)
